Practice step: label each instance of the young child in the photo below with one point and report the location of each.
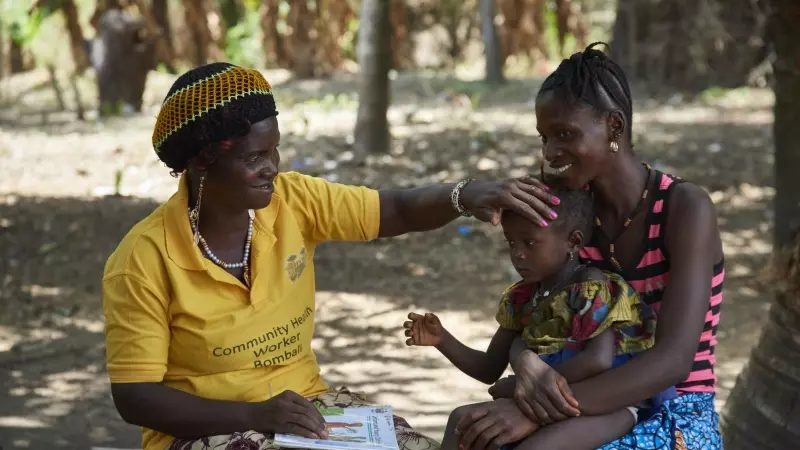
(580, 320)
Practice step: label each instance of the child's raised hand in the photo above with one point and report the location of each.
(423, 330)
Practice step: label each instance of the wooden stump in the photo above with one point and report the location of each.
(122, 54)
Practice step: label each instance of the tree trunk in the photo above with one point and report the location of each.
(689, 45)
(76, 41)
(332, 21)
(491, 43)
(375, 60)
(402, 51)
(786, 42)
(218, 29)
(3, 62)
(197, 22)
(16, 57)
(763, 410)
(301, 45)
(458, 18)
(122, 54)
(272, 40)
(165, 50)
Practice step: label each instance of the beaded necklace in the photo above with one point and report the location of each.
(245, 262)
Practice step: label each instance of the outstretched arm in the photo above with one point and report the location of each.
(427, 330)
(430, 207)
(486, 367)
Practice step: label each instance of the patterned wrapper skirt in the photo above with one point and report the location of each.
(407, 438)
(688, 422)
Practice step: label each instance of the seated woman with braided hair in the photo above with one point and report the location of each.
(209, 301)
(660, 234)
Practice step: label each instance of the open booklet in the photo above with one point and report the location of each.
(360, 428)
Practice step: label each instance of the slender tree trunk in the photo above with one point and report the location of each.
(786, 38)
(197, 22)
(491, 43)
(763, 410)
(59, 94)
(3, 62)
(165, 50)
(401, 41)
(302, 45)
(16, 57)
(76, 42)
(272, 40)
(563, 12)
(512, 34)
(218, 30)
(580, 26)
(375, 60)
(334, 15)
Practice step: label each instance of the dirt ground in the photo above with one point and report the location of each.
(69, 190)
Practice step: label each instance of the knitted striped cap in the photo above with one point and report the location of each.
(206, 105)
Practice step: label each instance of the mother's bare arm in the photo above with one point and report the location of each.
(693, 242)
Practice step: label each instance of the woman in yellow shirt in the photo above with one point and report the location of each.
(209, 301)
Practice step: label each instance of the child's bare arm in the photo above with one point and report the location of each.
(597, 357)
(483, 366)
(486, 367)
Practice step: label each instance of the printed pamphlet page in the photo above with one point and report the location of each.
(360, 428)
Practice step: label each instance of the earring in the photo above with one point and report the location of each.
(571, 255)
(614, 146)
(194, 214)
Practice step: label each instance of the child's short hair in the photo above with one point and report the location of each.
(575, 211)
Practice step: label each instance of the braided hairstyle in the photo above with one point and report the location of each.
(592, 78)
(210, 107)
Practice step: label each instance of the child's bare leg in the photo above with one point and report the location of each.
(450, 440)
(580, 433)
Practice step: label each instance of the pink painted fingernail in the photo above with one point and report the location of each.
(553, 215)
(556, 200)
(545, 188)
(543, 223)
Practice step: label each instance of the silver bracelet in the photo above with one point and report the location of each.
(455, 197)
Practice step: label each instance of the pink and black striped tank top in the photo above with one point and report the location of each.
(651, 276)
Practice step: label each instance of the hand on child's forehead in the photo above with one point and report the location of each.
(516, 225)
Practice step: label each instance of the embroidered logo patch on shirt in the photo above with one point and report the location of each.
(295, 264)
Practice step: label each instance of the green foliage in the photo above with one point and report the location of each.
(243, 42)
(717, 93)
(23, 27)
(348, 41)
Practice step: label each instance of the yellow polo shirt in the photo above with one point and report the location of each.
(173, 316)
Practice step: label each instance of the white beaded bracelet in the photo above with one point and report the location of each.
(455, 197)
